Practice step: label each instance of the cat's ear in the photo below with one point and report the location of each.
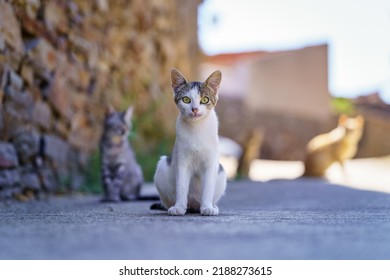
(109, 110)
(177, 79)
(128, 114)
(214, 80)
(343, 118)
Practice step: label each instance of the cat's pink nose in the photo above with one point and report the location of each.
(195, 110)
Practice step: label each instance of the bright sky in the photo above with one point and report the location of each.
(357, 31)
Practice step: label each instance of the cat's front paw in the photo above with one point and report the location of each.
(176, 211)
(209, 211)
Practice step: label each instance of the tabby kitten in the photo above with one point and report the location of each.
(192, 177)
(121, 174)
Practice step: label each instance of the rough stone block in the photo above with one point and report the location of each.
(82, 78)
(26, 142)
(44, 53)
(8, 194)
(8, 155)
(80, 102)
(55, 17)
(61, 129)
(29, 179)
(27, 73)
(9, 179)
(3, 132)
(9, 27)
(2, 43)
(56, 149)
(18, 104)
(42, 115)
(59, 94)
(32, 8)
(1, 119)
(82, 136)
(4, 69)
(48, 179)
(85, 51)
(103, 5)
(15, 81)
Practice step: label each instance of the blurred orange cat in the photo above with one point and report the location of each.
(337, 145)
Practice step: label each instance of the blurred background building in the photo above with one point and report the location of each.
(284, 94)
(289, 71)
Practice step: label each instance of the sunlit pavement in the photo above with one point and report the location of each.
(367, 174)
(271, 219)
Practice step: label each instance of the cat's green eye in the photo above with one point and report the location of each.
(204, 100)
(186, 100)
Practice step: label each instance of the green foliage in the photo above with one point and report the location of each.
(342, 105)
(149, 146)
(64, 181)
(148, 157)
(150, 137)
(93, 182)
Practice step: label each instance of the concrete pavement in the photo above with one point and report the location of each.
(279, 219)
(363, 173)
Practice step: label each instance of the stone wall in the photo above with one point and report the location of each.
(62, 62)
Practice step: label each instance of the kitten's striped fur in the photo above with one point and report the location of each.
(121, 174)
(201, 88)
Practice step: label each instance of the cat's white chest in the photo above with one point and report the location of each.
(198, 136)
(197, 144)
(200, 154)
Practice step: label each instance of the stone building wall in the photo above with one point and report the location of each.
(62, 62)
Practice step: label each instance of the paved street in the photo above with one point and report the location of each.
(280, 219)
(363, 173)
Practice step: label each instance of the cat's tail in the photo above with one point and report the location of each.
(148, 197)
(157, 206)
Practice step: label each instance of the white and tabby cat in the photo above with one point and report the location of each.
(192, 177)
